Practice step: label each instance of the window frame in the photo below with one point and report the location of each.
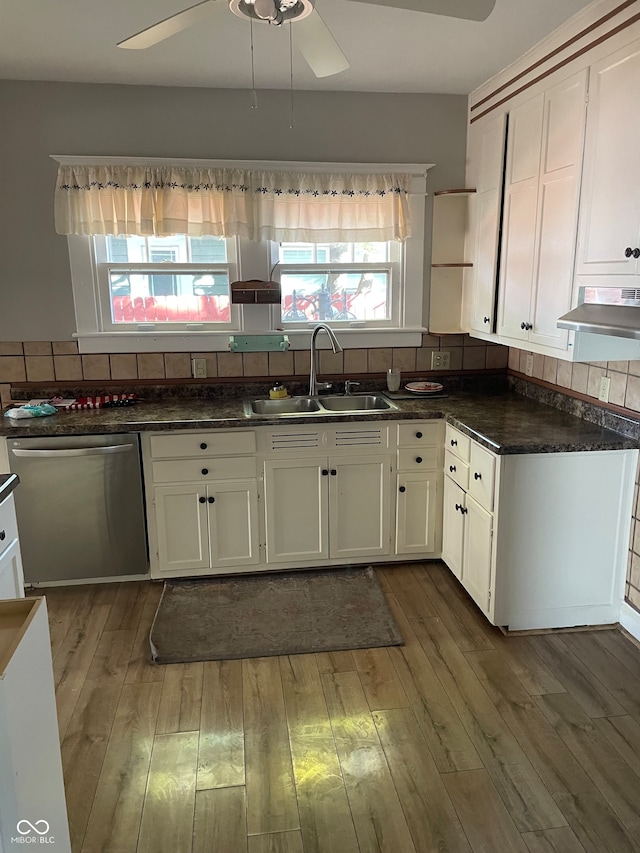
(103, 295)
(394, 267)
(253, 260)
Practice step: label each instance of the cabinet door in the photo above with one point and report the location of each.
(486, 156)
(296, 509)
(610, 203)
(476, 572)
(560, 173)
(233, 523)
(11, 578)
(453, 526)
(482, 472)
(416, 515)
(183, 539)
(359, 506)
(519, 220)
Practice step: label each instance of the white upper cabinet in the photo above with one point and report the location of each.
(542, 183)
(609, 239)
(560, 210)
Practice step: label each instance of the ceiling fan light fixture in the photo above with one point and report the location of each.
(272, 11)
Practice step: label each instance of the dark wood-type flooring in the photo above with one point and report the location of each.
(461, 740)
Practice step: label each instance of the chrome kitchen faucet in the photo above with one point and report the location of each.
(335, 345)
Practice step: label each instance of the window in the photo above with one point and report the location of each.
(165, 281)
(354, 284)
(167, 293)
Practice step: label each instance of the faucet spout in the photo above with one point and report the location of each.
(335, 346)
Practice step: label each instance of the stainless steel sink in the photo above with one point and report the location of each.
(331, 405)
(356, 403)
(289, 406)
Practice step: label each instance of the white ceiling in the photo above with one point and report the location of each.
(390, 50)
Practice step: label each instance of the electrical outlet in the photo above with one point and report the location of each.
(603, 394)
(440, 360)
(529, 364)
(199, 368)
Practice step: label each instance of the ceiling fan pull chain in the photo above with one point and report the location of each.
(292, 119)
(254, 94)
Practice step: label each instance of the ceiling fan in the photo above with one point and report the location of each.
(313, 38)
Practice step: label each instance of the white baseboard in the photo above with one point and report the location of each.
(630, 619)
(78, 581)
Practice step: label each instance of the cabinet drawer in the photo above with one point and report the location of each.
(458, 443)
(482, 471)
(200, 444)
(419, 433)
(417, 459)
(456, 469)
(8, 524)
(206, 470)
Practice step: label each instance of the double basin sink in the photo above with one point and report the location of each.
(329, 405)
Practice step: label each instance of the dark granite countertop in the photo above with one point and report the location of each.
(505, 422)
(8, 482)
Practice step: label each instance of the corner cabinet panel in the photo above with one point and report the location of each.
(183, 542)
(359, 501)
(233, 524)
(296, 509)
(487, 140)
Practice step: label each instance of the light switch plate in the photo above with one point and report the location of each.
(605, 383)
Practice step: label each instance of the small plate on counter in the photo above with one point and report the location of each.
(424, 387)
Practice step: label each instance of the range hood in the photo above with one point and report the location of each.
(613, 311)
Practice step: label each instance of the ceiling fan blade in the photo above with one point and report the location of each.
(313, 39)
(169, 26)
(470, 10)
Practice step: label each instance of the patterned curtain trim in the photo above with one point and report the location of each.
(164, 200)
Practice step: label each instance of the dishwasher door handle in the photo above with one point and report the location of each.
(74, 451)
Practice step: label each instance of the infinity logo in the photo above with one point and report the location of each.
(32, 827)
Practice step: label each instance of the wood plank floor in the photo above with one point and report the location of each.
(461, 741)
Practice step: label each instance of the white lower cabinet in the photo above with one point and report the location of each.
(206, 529)
(478, 534)
(202, 502)
(539, 540)
(326, 508)
(419, 488)
(11, 576)
(453, 526)
(466, 544)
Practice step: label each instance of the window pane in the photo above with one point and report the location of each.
(326, 253)
(161, 297)
(179, 248)
(335, 296)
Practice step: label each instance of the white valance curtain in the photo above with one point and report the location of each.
(261, 205)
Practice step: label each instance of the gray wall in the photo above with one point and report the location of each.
(40, 119)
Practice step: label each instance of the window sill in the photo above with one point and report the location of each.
(135, 342)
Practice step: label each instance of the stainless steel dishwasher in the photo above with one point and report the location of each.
(80, 507)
